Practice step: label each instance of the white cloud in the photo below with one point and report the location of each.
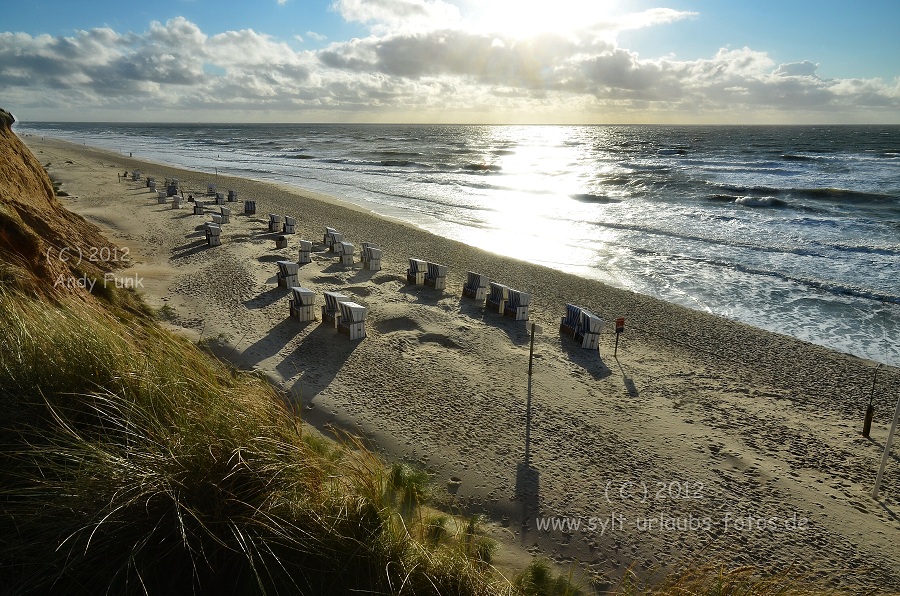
(426, 73)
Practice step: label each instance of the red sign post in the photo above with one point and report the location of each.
(620, 328)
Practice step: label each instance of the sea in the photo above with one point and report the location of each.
(793, 229)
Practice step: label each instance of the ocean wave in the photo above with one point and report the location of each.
(827, 194)
(748, 201)
(481, 167)
(592, 198)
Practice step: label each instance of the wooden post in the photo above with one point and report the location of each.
(620, 327)
(887, 451)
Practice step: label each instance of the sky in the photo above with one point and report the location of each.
(453, 61)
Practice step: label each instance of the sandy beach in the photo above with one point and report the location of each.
(704, 440)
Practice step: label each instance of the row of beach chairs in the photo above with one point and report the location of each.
(346, 316)
(425, 273)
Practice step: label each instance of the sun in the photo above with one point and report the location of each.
(527, 18)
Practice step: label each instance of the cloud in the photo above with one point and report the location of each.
(427, 73)
(798, 69)
(393, 15)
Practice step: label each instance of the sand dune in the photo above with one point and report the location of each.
(704, 440)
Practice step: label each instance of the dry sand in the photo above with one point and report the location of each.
(705, 441)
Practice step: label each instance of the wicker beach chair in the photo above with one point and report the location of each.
(497, 297)
(416, 273)
(476, 286)
(287, 274)
(517, 305)
(436, 276)
(353, 320)
(302, 304)
(305, 252)
(331, 311)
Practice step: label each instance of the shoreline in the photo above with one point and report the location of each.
(763, 422)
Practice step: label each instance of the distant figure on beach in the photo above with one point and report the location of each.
(129, 154)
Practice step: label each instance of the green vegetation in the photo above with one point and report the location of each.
(134, 462)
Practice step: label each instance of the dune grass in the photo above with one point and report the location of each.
(134, 462)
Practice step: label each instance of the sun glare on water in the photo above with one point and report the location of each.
(527, 18)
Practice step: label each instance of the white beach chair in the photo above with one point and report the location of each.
(211, 189)
(290, 225)
(353, 320)
(497, 297)
(416, 273)
(302, 304)
(287, 274)
(176, 202)
(346, 251)
(305, 252)
(275, 222)
(232, 196)
(225, 212)
(336, 239)
(372, 260)
(213, 235)
(588, 330)
(199, 209)
(436, 276)
(517, 305)
(331, 311)
(327, 237)
(161, 197)
(570, 323)
(476, 286)
(220, 198)
(216, 219)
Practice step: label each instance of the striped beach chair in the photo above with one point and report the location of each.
(302, 304)
(570, 323)
(327, 237)
(232, 196)
(225, 213)
(213, 235)
(416, 273)
(346, 251)
(353, 320)
(249, 207)
(476, 286)
(287, 274)
(371, 257)
(497, 297)
(517, 305)
(436, 276)
(220, 198)
(199, 209)
(305, 252)
(335, 241)
(588, 330)
(171, 187)
(331, 312)
(290, 225)
(275, 222)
